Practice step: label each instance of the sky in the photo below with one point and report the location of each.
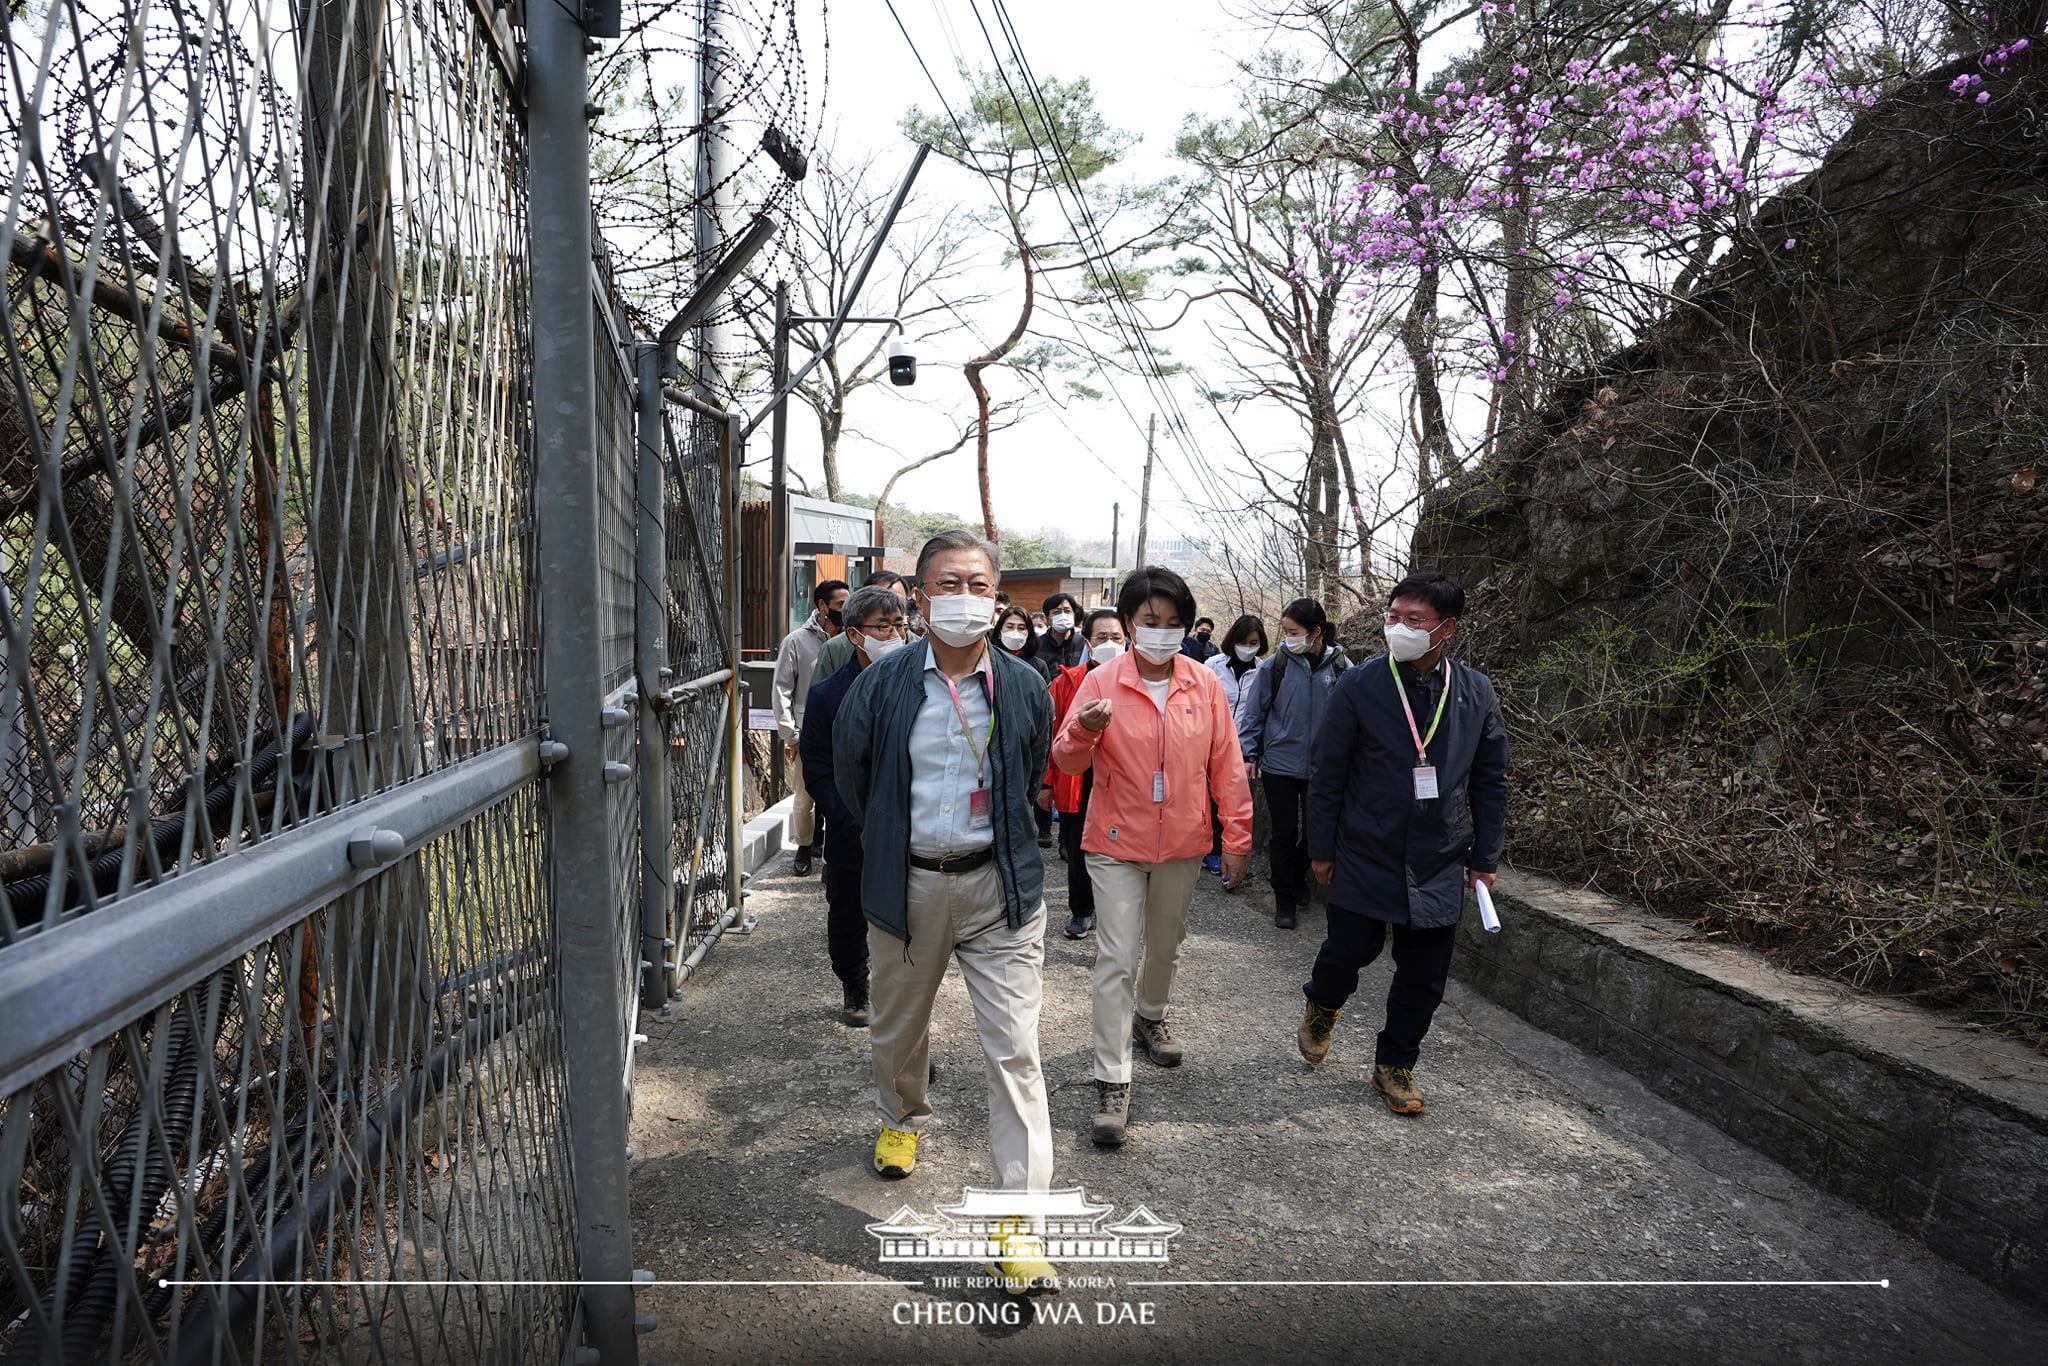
(1151, 63)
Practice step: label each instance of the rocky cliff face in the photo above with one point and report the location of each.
(1758, 440)
(1768, 590)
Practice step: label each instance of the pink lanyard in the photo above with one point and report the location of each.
(980, 752)
(1421, 740)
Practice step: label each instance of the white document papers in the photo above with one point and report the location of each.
(1487, 918)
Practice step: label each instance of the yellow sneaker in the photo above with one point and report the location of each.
(895, 1152)
(1022, 1268)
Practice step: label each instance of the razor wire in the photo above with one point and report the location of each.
(268, 590)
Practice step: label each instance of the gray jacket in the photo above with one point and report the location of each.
(1281, 707)
(794, 663)
(871, 763)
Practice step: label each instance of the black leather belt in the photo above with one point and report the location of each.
(954, 864)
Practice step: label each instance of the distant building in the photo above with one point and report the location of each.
(1092, 586)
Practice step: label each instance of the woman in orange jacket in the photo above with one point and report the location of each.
(1159, 736)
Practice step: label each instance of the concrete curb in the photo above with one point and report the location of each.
(765, 836)
(1939, 1130)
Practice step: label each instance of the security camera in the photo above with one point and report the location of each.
(902, 365)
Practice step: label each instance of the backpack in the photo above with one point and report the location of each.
(1271, 687)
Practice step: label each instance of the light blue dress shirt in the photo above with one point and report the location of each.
(943, 773)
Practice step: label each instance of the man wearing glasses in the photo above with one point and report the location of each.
(938, 751)
(1407, 808)
(873, 631)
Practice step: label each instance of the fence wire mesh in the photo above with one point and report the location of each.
(267, 561)
(699, 637)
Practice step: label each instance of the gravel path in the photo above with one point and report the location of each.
(754, 1121)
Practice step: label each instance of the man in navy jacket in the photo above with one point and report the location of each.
(873, 617)
(1407, 808)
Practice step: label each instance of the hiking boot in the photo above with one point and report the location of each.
(1397, 1084)
(895, 1152)
(801, 865)
(1157, 1041)
(1022, 1266)
(853, 1004)
(1079, 925)
(1212, 865)
(1112, 1112)
(1313, 1034)
(1283, 917)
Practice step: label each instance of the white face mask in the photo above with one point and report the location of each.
(1405, 642)
(879, 650)
(960, 619)
(1247, 653)
(1294, 645)
(1159, 643)
(1106, 652)
(1014, 638)
(1061, 621)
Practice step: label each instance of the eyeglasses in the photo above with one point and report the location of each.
(1421, 621)
(881, 630)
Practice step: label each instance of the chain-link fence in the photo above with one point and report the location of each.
(297, 998)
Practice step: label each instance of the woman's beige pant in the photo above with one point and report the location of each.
(1141, 915)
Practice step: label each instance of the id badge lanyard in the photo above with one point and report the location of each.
(1425, 772)
(980, 752)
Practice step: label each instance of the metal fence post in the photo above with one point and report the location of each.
(657, 873)
(732, 449)
(567, 510)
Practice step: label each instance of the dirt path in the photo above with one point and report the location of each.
(755, 1117)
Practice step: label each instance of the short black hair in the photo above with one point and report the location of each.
(1154, 581)
(1442, 592)
(1056, 599)
(822, 594)
(1003, 614)
(881, 577)
(1243, 629)
(1200, 622)
(1002, 598)
(1095, 615)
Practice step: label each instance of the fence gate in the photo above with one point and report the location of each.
(323, 446)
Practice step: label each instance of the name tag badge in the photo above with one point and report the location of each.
(1425, 783)
(1158, 786)
(981, 810)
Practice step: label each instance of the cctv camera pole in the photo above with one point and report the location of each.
(840, 319)
(781, 557)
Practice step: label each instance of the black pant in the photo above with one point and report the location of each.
(1422, 964)
(1287, 803)
(1045, 825)
(846, 926)
(1215, 830)
(1080, 890)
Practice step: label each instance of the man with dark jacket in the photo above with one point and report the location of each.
(1197, 646)
(1407, 809)
(1062, 646)
(938, 751)
(874, 630)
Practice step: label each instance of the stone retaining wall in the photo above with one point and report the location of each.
(1938, 1129)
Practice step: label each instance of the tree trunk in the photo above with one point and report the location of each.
(990, 357)
(829, 428)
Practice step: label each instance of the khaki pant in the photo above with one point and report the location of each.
(962, 917)
(1141, 915)
(801, 808)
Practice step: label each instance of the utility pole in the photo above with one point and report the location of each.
(1145, 494)
(1115, 509)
